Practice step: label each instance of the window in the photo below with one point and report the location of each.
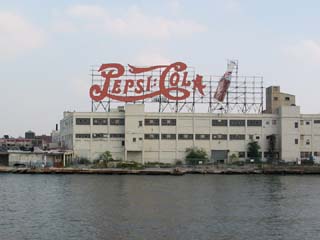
(237, 137)
(274, 122)
(168, 136)
(203, 136)
(242, 154)
(275, 98)
(236, 123)
(122, 143)
(316, 121)
(134, 139)
(185, 136)
(267, 123)
(99, 135)
(220, 122)
(305, 155)
(82, 121)
(151, 136)
(308, 142)
(116, 135)
(254, 123)
(83, 135)
(296, 141)
(151, 122)
(100, 121)
(219, 136)
(307, 123)
(168, 122)
(287, 98)
(296, 125)
(266, 154)
(140, 123)
(117, 121)
(257, 137)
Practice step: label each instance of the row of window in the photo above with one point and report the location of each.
(302, 122)
(215, 122)
(167, 136)
(173, 122)
(100, 135)
(100, 121)
(121, 121)
(237, 122)
(166, 122)
(156, 122)
(197, 136)
(309, 154)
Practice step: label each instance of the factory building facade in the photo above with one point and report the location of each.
(132, 134)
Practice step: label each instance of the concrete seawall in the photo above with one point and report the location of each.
(168, 171)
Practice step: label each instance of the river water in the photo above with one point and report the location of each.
(159, 207)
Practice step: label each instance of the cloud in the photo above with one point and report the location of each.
(18, 35)
(151, 58)
(174, 6)
(232, 5)
(87, 11)
(130, 22)
(307, 51)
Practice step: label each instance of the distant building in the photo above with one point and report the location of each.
(15, 144)
(36, 159)
(30, 135)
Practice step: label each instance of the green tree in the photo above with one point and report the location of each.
(196, 155)
(234, 157)
(253, 150)
(106, 156)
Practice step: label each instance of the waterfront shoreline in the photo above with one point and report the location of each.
(169, 171)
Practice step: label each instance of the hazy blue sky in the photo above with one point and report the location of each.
(47, 47)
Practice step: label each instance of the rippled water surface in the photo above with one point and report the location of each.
(159, 207)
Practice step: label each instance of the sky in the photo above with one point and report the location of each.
(48, 47)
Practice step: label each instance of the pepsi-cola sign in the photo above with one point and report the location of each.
(173, 83)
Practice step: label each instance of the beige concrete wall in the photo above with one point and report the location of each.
(281, 125)
(275, 99)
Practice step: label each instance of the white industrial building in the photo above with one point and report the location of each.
(130, 133)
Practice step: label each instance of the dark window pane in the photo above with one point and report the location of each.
(100, 121)
(151, 136)
(203, 136)
(117, 135)
(82, 135)
(185, 136)
(151, 122)
(219, 136)
(99, 135)
(236, 123)
(237, 137)
(219, 122)
(254, 123)
(168, 122)
(168, 136)
(82, 121)
(117, 121)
